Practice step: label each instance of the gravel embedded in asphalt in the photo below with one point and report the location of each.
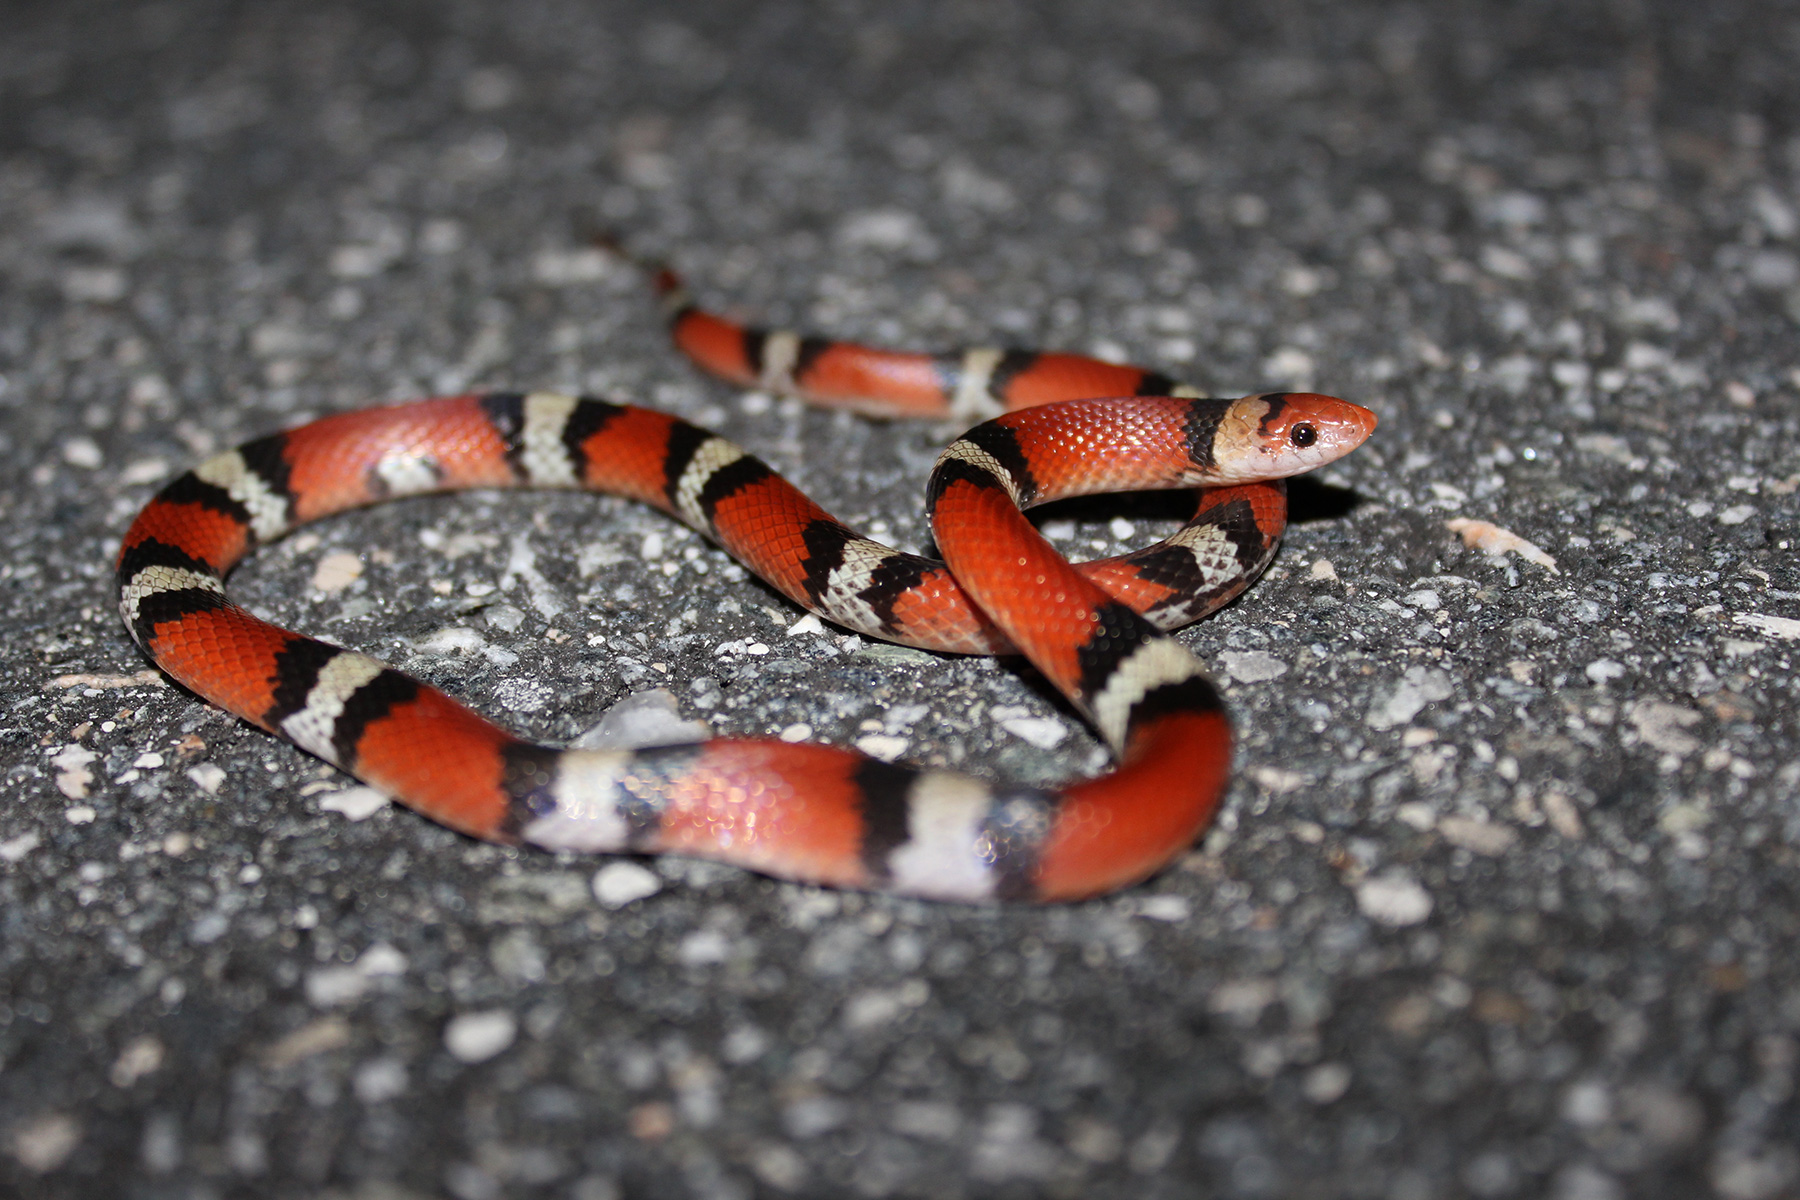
(1502, 901)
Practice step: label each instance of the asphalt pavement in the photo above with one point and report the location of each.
(1502, 901)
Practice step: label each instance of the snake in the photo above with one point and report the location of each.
(1045, 426)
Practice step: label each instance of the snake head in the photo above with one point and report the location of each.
(1285, 433)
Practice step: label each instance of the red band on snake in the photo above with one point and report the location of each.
(805, 812)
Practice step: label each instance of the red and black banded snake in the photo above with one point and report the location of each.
(806, 812)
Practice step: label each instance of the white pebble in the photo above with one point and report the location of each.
(73, 778)
(1483, 837)
(620, 883)
(1172, 909)
(1043, 732)
(332, 987)
(14, 849)
(882, 746)
(102, 284)
(336, 571)
(703, 947)
(1416, 688)
(1419, 815)
(355, 803)
(82, 452)
(1326, 1083)
(1601, 670)
(144, 470)
(44, 1143)
(1290, 364)
(478, 1036)
(565, 268)
(1252, 666)
(648, 718)
(380, 1080)
(1786, 628)
(1393, 899)
(451, 639)
(381, 959)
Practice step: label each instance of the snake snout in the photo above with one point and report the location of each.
(1304, 430)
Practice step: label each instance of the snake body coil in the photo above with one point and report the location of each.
(807, 812)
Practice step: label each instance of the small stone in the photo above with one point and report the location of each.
(45, 1142)
(620, 883)
(14, 849)
(1418, 687)
(1483, 837)
(933, 1120)
(1326, 1083)
(567, 268)
(1290, 364)
(313, 1038)
(811, 1116)
(452, 639)
(1582, 1182)
(330, 987)
(1603, 670)
(882, 746)
(1243, 999)
(141, 1056)
(1785, 628)
(1278, 781)
(1252, 666)
(355, 803)
(1095, 1140)
(478, 1036)
(1393, 899)
(882, 229)
(82, 452)
(647, 718)
(380, 1080)
(703, 948)
(381, 959)
(336, 571)
(875, 1007)
(1173, 909)
(1562, 814)
(1663, 726)
(1418, 814)
(1498, 542)
(72, 775)
(103, 285)
(1043, 732)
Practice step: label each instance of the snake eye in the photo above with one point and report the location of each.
(1303, 435)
